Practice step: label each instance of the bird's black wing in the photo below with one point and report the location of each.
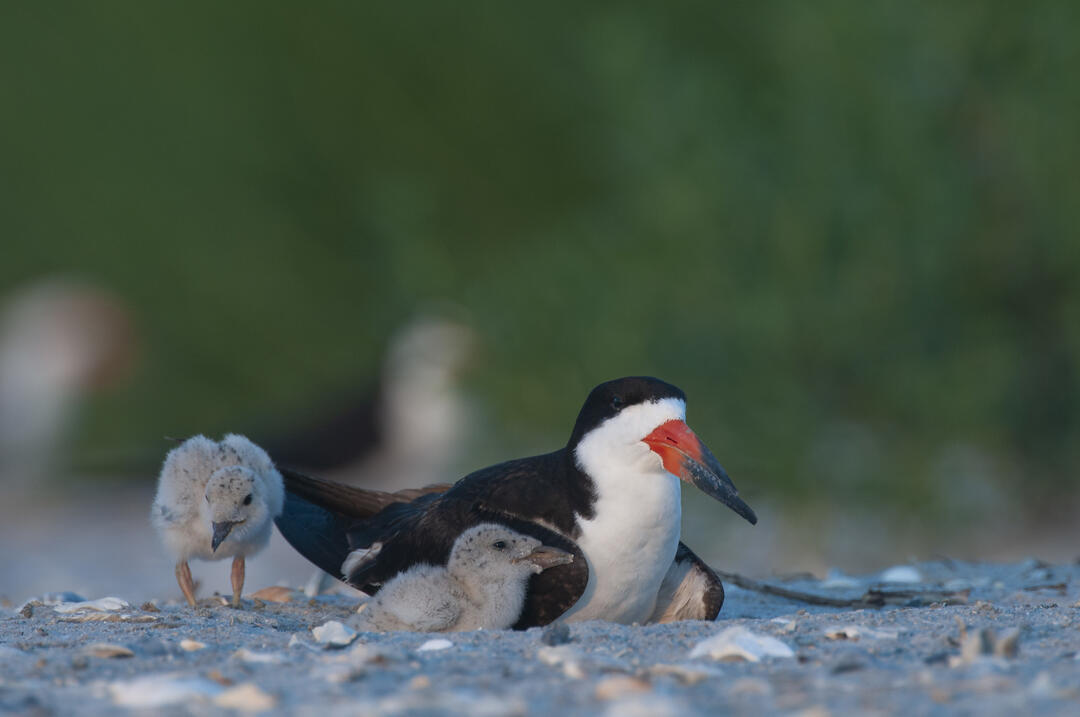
(325, 521)
(319, 514)
(689, 591)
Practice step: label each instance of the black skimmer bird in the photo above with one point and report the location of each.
(611, 497)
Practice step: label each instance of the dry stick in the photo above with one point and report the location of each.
(797, 595)
(874, 597)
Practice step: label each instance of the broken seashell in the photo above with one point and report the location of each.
(246, 698)
(105, 604)
(334, 634)
(739, 643)
(436, 644)
(275, 593)
(266, 658)
(901, 574)
(106, 650)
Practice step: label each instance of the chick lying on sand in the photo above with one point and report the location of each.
(216, 501)
(482, 585)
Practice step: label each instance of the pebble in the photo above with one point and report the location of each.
(245, 698)
(557, 633)
(191, 645)
(334, 634)
(739, 643)
(162, 690)
(435, 645)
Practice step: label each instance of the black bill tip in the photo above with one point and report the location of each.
(221, 531)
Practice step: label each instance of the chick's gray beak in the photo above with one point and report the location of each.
(221, 531)
(546, 557)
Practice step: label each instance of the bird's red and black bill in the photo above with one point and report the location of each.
(686, 456)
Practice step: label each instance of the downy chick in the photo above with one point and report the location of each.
(216, 501)
(482, 585)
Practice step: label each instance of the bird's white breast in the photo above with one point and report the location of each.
(629, 544)
(630, 541)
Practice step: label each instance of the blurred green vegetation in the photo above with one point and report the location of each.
(847, 229)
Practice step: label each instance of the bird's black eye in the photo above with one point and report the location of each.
(247, 499)
(616, 402)
(499, 545)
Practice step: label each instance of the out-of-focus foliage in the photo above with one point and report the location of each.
(847, 229)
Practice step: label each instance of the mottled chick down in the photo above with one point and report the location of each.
(482, 586)
(216, 500)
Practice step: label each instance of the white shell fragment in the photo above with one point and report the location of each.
(162, 690)
(253, 657)
(901, 574)
(105, 604)
(334, 634)
(436, 644)
(191, 645)
(739, 643)
(106, 650)
(246, 698)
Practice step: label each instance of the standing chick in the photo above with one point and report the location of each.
(214, 501)
(482, 585)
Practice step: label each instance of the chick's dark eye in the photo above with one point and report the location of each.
(247, 499)
(499, 545)
(616, 402)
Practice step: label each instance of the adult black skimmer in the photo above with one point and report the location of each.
(611, 497)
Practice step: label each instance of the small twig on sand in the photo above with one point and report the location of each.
(874, 597)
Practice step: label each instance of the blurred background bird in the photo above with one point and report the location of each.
(61, 339)
(409, 431)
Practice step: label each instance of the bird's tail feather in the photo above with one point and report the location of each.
(346, 500)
